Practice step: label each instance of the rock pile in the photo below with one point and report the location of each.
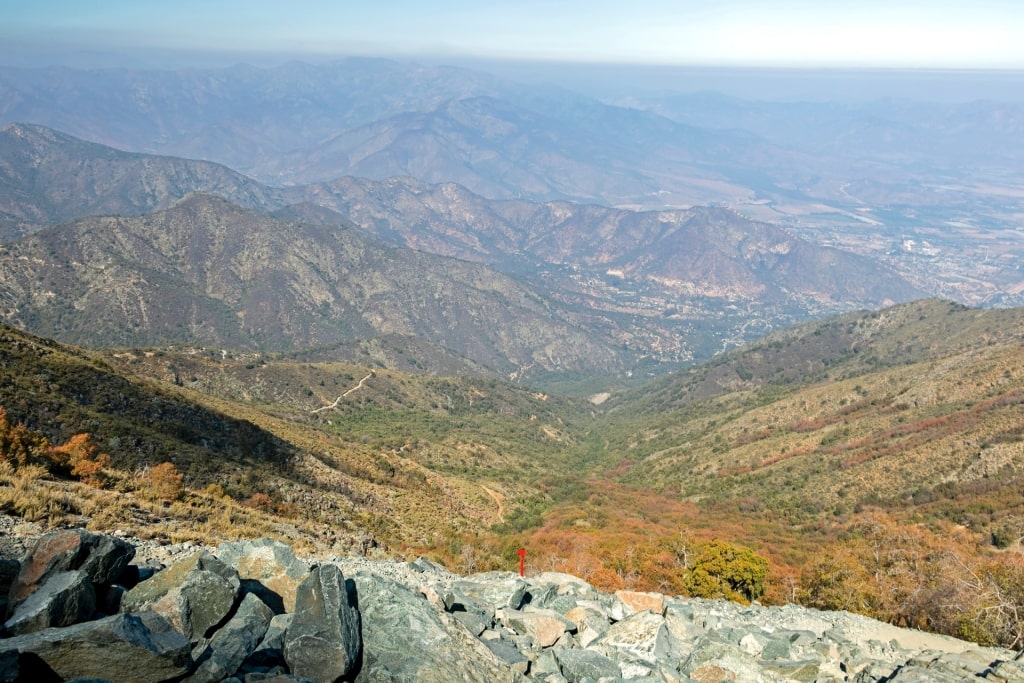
(252, 611)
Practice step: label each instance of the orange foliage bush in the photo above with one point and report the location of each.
(19, 445)
(164, 481)
(82, 459)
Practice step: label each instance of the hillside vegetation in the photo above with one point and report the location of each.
(869, 462)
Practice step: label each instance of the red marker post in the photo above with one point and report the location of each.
(522, 561)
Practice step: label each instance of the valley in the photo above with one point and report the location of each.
(399, 310)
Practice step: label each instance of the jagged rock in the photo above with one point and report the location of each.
(615, 608)
(233, 642)
(802, 671)
(406, 639)
(455, 600)
(579, 665)
(546, 667)
(639, 638)
(475, 623)
(638, 601)
(422, 564)
(509, 654)
(267, 568)
(591, 622)
(544, 626)
(126, 648)
(559, 592)
(194, 594)
(499, 589)
(713, 659)
(323, 641)
(424, 624)
(269, 654)
(63, 599)
(103, 558)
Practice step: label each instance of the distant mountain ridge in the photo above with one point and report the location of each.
(48, 177)
(208, 272)
(660, 286)
(301, 123)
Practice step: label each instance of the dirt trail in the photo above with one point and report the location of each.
(499, 499)
(338, 400)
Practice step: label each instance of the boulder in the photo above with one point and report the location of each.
(509, 654)
(267, 568)
(323, 641)
(407, 639)
(580, 665)
(194, 594)
(269, 654)
(498, 589)
(638, 601)
(713, 660)
(591, 623)
(233, 643)
(641, 637)
(127, 648)
(559, 592)
(63, 599)
(102, 558)
(545, 627)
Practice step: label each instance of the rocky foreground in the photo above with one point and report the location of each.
(83, 606)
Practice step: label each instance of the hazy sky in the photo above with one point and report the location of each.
(806, 33)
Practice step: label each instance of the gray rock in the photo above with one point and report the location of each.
(103, 558)
(323, 641)
(126, 648)
(714, 659)
(920, 674)
(1008, 670)
(407, 639)
(802, 671)
(474, 623)
(267, 568)
(194, 594)
(558, 592)
(580, 665)
(498, 589)
(269, 654)
(546, 664)
(544, 626)
(63, 599)
(591, 623)
(233, 642)
(509, 654)
(423, 565)
(456, 601)
(641, 637)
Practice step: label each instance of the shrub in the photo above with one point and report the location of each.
(163, 482)
(724, 570)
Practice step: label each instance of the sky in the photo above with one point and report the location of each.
(941, 34)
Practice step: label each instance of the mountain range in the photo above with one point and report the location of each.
(585, 288)
(930, 188)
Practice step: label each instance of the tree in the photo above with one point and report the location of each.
(164, 481)
(81, 458)
(19, 445)
(724, 570)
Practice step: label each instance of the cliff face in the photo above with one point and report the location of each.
(251, 610)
